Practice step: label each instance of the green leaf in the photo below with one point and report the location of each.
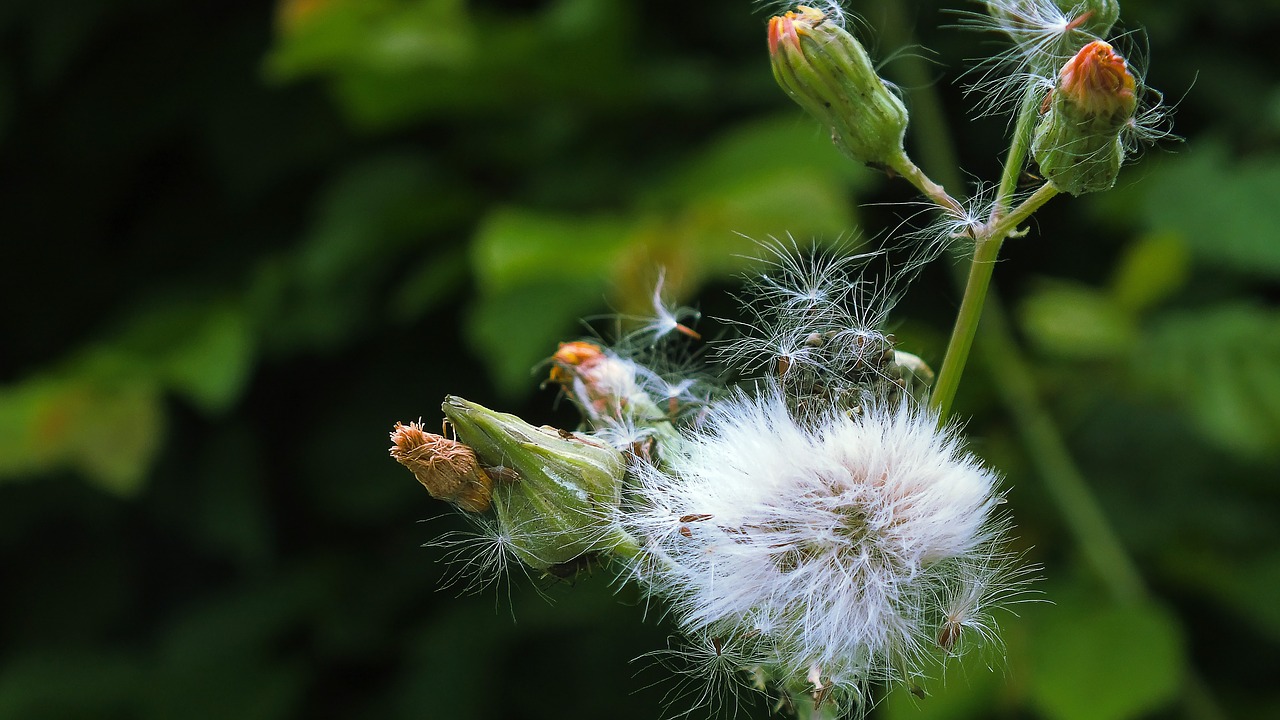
(536, 275)
(1221, 365)
(1224, 209)
(969, 687)
(1076, 322)
(758, 150)
(1245, 585)
(204, 351)
(516, 247)
(1093, 660)
(108, 428)
(1150, 270)
(384, 36)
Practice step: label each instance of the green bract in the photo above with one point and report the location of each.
(827, 71)
(555, 492)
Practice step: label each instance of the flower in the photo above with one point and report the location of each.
(446, 468)
(839, 548)
(1079, 142)
(827, 72)
(560, 491)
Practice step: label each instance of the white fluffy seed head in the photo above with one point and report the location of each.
(837, 544)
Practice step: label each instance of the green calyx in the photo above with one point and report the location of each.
(1078, 142)
(828, 73)
(554, 491)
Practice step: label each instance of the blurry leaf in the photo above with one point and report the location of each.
(1245, 585)
(203, 351)
(368, 219)
(1076, 322)
(1151, 269)
(969, 688)
(536, 274)
(769, 178)
(514, 247)
(379, 35)
(71, 685)
(375, 208)
(116, 439)
(428, 284)
(102, 411)
(1222, 366)
(1224, 209)
(107, 428)
(758, 150)
(1094, 660)
(513, 331)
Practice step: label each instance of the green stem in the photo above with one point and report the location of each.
(986, 250)
(1019, 148)
(1008, 224)
(1016, 384)
(975, 293)
(932, 190)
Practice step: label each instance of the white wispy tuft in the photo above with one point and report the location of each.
(840, 548)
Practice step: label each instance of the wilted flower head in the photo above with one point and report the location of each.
(832, 548)
(448, 469)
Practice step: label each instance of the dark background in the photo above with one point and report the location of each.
(238, 242)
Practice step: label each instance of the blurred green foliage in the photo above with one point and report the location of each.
(237, 246)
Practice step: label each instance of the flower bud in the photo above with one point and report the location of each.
(598, 382)
(563, 489)
(446, 468)
(827, 71)
(1029, 20)
(1077, 142)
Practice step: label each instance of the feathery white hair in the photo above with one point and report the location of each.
(839, 545)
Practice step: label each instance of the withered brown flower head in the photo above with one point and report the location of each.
(446, 468)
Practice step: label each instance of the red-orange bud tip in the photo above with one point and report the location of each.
(1097, 80)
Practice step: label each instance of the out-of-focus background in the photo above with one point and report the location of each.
(239, 241)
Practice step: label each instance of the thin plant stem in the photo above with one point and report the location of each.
(987, 242)
(1019, 147)
(930, 189)
(975, 292)
(1015, 383)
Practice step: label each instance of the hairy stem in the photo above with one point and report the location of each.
(1015, 381)
(1019, 148)
(932, 190)
(987, 243)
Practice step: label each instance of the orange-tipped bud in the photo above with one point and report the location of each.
(1097, 84)
(448, 469)
(574, 358)
(1077, 142)
(828, 73)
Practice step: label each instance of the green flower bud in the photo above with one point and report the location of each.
(555, 491)
(827, 71)
(1077, 142)
(1030, 21)
(1047, 32)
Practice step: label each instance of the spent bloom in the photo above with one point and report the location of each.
(832, 548)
